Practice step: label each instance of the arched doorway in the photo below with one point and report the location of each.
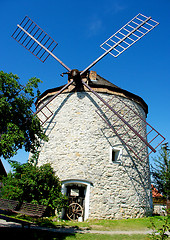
(78, 192)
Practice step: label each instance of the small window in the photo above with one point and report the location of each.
(115, 155)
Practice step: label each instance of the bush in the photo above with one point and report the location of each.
(33, 184)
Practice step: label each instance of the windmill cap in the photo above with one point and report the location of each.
(100, 85)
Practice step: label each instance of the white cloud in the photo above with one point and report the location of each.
(115, 7)
(94, 27)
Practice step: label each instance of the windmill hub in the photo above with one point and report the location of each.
(75, 74)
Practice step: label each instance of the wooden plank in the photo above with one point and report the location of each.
(34, 210)
(8, 205)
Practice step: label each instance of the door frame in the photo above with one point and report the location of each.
(84, 183)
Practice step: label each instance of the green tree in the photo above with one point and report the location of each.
(161, 171)
(18, 126)
(30, 183)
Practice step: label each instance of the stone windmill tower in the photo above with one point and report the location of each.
(98, 136)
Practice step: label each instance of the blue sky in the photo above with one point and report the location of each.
(80, 27)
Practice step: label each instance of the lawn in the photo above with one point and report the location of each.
(138, 224)
(106, 237)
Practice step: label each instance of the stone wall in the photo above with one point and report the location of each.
(79, 148)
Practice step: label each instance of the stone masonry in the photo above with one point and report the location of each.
(79, 148)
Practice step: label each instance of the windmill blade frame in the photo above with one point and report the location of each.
(44, 105)
(154, 138)
(41, 45)
(129, 34)
(130, 127)
(133, 35)
(34, 39)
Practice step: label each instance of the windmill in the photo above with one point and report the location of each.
(117, 119)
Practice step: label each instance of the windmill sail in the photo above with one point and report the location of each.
(120, 118)
(40, 44)
(45, 115)
(129, 34)
(35, 40)
(27, 39)
(151, 138)
(129, 138)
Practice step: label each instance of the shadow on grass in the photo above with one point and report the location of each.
(31, 234)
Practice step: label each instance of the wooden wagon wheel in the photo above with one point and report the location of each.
(74, 211)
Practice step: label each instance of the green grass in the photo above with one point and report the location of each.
(117, 225)
(103, 225)
(89, 236)
(139, 224)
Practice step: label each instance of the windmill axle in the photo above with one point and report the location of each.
(75, 74)
(77, 79)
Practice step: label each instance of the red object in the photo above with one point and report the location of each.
(155, 192)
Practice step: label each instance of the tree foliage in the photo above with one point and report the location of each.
(18, 126)
(33, 184)
(161, 232)
(161, 172)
